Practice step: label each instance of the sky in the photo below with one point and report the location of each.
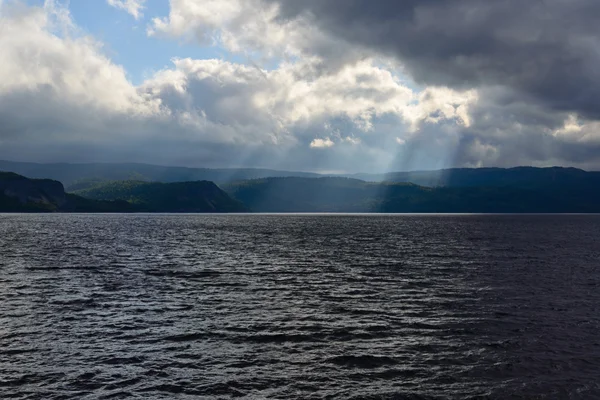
(312, 85)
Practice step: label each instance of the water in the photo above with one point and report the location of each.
(161, 307)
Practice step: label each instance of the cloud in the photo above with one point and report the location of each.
(496, 78)
(62, 99)
(321, 143)
(352, 140)
(70, 67)
(547, 51)
(133, 7)
(255, 28)
(57, 89)
(315, 85)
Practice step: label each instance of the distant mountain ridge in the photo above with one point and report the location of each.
(81, 176)
(70, 174)
(485, 190)
(489, 177)
(293, 194)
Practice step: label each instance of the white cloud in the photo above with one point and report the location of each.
(70, 67)
(435, 104)
(133, 7)
(575, 129)
(326, 78)
(242, 26)
(279, 102)
(321, 143)
(352, 140)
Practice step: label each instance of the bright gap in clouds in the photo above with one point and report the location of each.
(280, 93)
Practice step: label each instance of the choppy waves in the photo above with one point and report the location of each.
(287, 307)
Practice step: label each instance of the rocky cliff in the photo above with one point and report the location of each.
(22, 194)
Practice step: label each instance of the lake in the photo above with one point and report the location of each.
(299, 306)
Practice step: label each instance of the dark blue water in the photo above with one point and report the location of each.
(285, 307)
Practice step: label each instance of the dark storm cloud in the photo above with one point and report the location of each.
(547, 50)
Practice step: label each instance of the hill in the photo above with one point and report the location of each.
(79, 176)
(20, 194)
(352, 195)
(491, 190)
(201, 197)
(310, 194)
(83, 176)
(489, 177)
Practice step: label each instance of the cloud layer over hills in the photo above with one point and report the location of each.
(334, 85)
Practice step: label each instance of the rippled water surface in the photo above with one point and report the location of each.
(192, 306)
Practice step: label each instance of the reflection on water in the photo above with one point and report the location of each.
(257, 306)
